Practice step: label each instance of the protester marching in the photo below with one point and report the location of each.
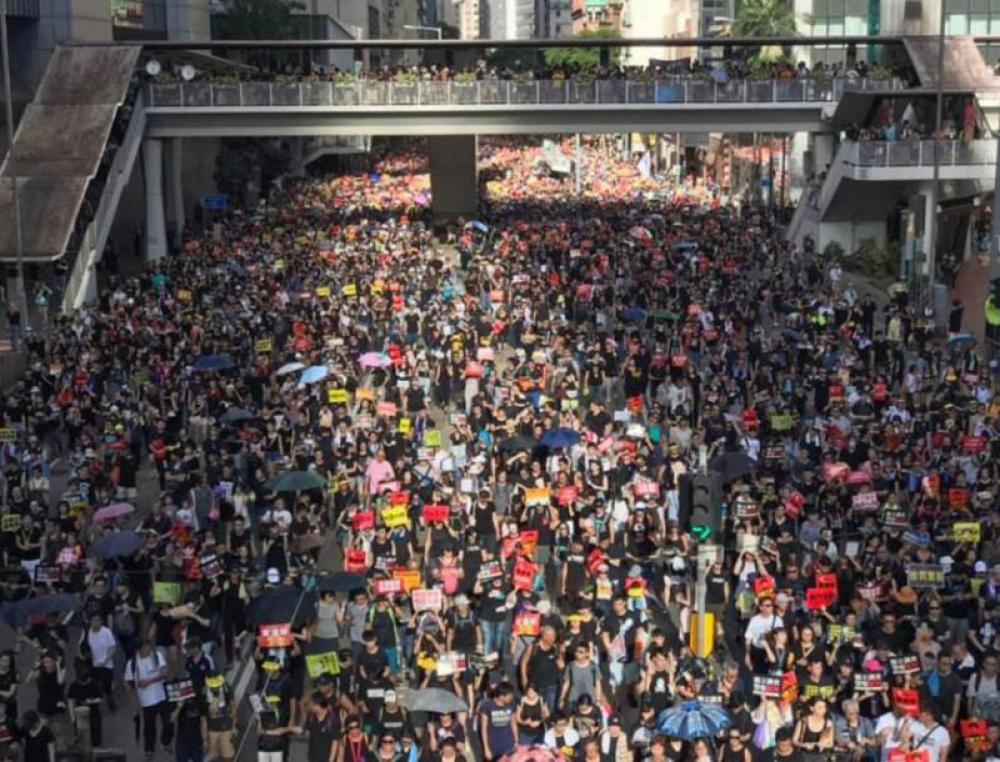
(610, 473)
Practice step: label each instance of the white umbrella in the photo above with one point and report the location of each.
(291, 367)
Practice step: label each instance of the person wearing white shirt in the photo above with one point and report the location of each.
(102, 645)
(936, 739)
(759, 625)
(146, 675)
(896, 729)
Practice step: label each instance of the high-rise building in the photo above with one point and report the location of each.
(469, 19)
(509, 19)
(658, 18)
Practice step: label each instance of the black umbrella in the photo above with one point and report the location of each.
(235, 415)
(283, 604)
(518, 444)
(732, 465)
(341, 582)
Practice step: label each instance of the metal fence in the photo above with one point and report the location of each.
(503, 92)
(920, 153)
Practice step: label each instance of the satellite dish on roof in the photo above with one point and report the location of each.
(153, 67)
(187, 72)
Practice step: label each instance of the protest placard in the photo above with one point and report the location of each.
(322, 664)
(925, 576)
(274, 635)
(167, 592)
(427, 599)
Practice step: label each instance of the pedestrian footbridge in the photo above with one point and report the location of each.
(363, 107)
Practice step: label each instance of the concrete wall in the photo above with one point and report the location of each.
(850, 234)
(454, 184)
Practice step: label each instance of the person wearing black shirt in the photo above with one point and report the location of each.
(323, 727)
(85, 697)
(191, 721)
(37, 740)
(784, 750)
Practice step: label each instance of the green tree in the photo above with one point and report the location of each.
(764, 18)
(584, 58)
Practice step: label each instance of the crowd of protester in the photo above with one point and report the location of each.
(439, 493)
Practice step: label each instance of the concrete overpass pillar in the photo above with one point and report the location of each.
(822, 151)
(175, 189)
(454, 181)
(156, 226)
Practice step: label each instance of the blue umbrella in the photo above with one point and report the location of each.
(313, 374)
(559, 438)
(961, 341)
(117, 545)
(213, 362)
(692, 719)
(18, 613)
(634, 314)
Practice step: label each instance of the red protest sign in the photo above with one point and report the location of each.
(794, 504)
(524, 575)
(528, 539)
(827, 580)
(789, 687)
(908, 700)
(972, 444)
(356, 561)
(958, 497)
(435, 512)
(527, 623)
(818, 598)
(363, 520)
(399, 498)
(974, 733)
(836, 392)
(274, 635)
(859, 477)
(763, 587)
(566, 495)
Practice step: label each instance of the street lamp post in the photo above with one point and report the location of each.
(925, 294)
(22, 299)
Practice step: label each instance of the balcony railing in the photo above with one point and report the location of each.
(920, 153)
(502, 93)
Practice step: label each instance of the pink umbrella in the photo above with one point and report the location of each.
(113, 511)
(374, 360)
(533, 754)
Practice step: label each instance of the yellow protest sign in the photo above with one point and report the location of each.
(323, 291)
(364, 393)
(8, 435)
(397, 516)
(322, 664)
(966, 531)
(167, 592)
(279, 264)
(432, 438)
(337, 396)
(263, 346)
(351, 289)
(537, 496)
(183, 295)
(409, 577)
(405, 425)
(10, 522)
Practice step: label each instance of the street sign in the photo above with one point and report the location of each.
(216, 203)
